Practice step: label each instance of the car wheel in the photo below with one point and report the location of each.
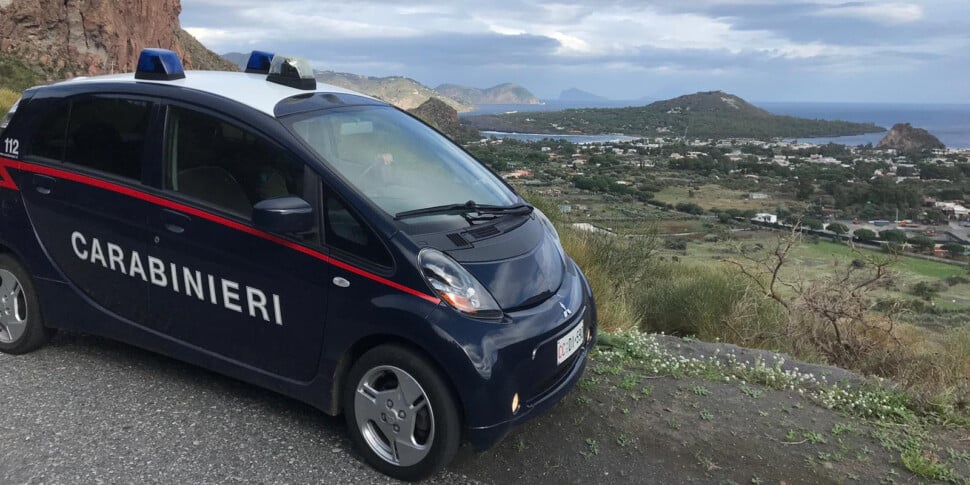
(21, 325)
(400, 413)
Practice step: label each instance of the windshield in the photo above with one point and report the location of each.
(397, 162)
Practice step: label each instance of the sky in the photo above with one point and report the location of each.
(761, 50)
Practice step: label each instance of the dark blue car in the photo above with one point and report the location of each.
(302, 238)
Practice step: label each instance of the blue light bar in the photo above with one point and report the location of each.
(159, 65)
(259, 62)
(294, 72)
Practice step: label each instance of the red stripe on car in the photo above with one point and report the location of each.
(7, 182)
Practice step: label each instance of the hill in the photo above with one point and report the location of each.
(574, 94)
(47, 40)
(506, 93)
(713, 114)
(905, 138)
(402, 92)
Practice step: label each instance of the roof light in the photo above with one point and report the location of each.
(294, 72)
(159, 65)
(259, 62)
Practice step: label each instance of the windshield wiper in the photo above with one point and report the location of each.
(470, 206)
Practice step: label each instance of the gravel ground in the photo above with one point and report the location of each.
(89, 410)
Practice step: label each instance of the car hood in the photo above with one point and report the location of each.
(521, 268)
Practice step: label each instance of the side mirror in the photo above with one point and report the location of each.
(287, 214)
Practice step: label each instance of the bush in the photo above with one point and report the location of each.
(893, 235)
(690, 208)
(838, 228)
(925, 290)
(923, 243)
(865, 234)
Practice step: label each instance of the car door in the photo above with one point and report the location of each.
(85, 158)
(222, 284)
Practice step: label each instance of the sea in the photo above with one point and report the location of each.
(948, 122)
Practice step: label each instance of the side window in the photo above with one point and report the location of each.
(108, 134)
(225, 165)
(344, 231)
(51, 134)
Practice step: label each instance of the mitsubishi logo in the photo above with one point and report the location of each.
(565, 311)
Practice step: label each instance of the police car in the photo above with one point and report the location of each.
(300, 237)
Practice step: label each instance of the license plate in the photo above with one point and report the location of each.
(569, 344)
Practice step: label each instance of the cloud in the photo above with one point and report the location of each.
(884, 13)
(630, 47)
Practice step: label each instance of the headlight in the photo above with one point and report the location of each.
(456, 286)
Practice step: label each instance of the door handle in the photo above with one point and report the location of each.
(43, 184)
(341, 282)
(175, 222)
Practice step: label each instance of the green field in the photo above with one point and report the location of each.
(812, 260)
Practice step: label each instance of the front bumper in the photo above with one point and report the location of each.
(498, 361)
(485, 437)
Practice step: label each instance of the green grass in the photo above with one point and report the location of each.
(825, 251)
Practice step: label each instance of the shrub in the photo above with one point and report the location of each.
(838, 228)
(893, 235)
(865, 234)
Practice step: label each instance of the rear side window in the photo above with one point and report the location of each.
(108, 134)
(51, 135)
(104, 134)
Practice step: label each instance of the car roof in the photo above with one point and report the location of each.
(252, 90)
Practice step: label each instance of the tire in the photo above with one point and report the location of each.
(21, 325)
(394, 397)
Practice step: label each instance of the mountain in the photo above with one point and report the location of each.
(46, 40)
(713, 114)
(507, 93)
(905, 138)
(237, 58)
(438, 114)
(574, 94)
(402, 92)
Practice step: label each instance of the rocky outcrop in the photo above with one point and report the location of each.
(904, 138)
(67, 38)
(438, 114)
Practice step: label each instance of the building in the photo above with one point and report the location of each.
(764, 217)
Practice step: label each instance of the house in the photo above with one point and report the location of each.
(953, 210)
(764, 217)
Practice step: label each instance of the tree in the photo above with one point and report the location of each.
(838, 228)
(812, 223)
(954, 249)
(865, 234)
(923, 243)
(893, 235)
(805, 188)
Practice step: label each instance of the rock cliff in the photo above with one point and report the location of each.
(440, 115)
(903, 137)
(66, 38)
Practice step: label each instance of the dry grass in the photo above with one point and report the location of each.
(7, 99)
(712, 196)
